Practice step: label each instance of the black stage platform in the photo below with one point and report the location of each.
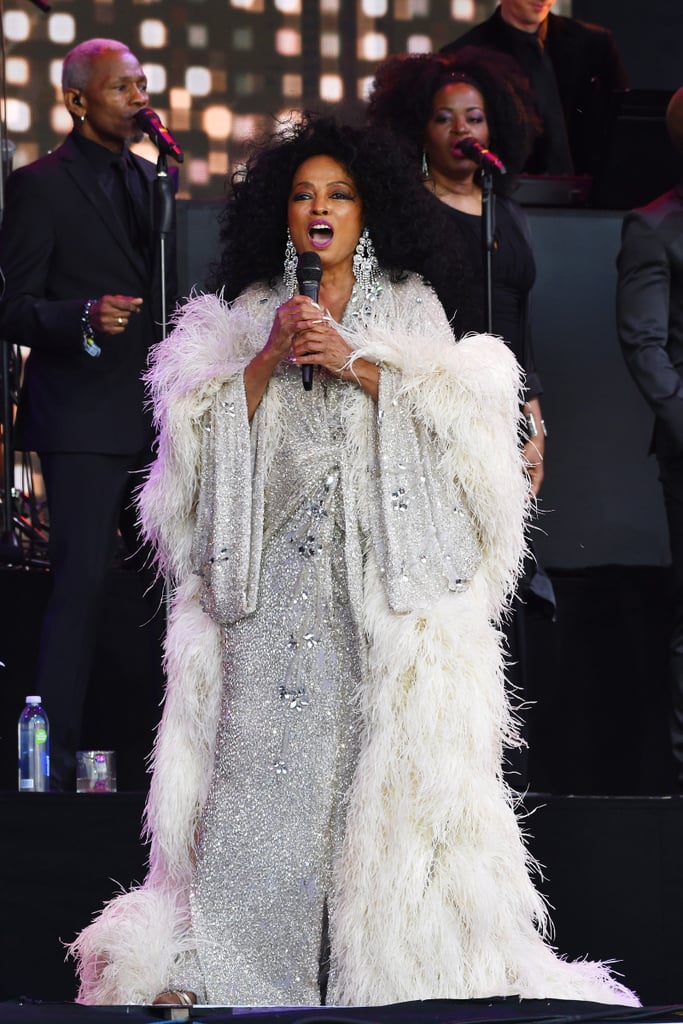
(472, 1011)
(612, 868)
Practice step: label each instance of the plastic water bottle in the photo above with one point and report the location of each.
(34, 748)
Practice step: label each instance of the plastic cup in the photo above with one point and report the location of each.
(96, 771)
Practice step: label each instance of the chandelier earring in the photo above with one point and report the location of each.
(289, 269)
(366, 267)
(425, 165)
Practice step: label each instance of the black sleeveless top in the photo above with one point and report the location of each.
(513, 274)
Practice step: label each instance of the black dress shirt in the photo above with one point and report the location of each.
(551, 152)
(119, 179)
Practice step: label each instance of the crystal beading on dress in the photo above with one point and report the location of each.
(285, 757)
(307, 598)
(304, 654)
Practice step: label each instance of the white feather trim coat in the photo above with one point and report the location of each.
(434, 897)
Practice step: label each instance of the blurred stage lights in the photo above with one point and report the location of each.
(219, 70)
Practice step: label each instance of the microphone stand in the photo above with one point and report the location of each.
(162, 225)
(488, 229)
(163, 206)
(10, 548)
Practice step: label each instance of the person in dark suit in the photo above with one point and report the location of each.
(574, 70)
(83, 292)
(650, 326)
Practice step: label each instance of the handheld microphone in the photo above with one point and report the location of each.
(480, 154)
(309, 271)
(150, 123)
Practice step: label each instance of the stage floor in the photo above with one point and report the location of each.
(611, 872)
(471, 1011)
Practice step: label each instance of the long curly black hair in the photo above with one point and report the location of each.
(254, 221)
(405, 85)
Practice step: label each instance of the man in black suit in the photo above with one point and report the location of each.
(650, 325)
(83, 292)
(574, 70)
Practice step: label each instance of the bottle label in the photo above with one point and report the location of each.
(26, 784)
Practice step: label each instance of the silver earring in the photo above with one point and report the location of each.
(289, 269)
(365, 266)
(82, 118)
(425, 165)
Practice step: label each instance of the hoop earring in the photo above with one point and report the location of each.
(366, 266)
(289, 268)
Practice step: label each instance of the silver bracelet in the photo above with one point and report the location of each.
(89, 344)
(532, 427)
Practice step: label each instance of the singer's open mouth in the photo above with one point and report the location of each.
(457, 152)
(321, 234)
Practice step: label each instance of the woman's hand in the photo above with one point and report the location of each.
(534, 447)
(317, 342)
(294, 315)
(303, 334)
(533, 458)
(292, 319)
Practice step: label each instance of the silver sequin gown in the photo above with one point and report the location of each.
(288, 737)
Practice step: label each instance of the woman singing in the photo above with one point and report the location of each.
(327, 813)
(432, 102)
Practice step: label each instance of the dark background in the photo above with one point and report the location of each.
(260, 62)
(648, 36)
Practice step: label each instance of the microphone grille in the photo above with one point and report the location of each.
(309, 267)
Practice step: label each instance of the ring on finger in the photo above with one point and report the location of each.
(120, 321)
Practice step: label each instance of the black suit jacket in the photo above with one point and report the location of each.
(588, 70)
(61, 243)
(650, 311)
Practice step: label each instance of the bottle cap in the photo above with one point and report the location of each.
(34, 700)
